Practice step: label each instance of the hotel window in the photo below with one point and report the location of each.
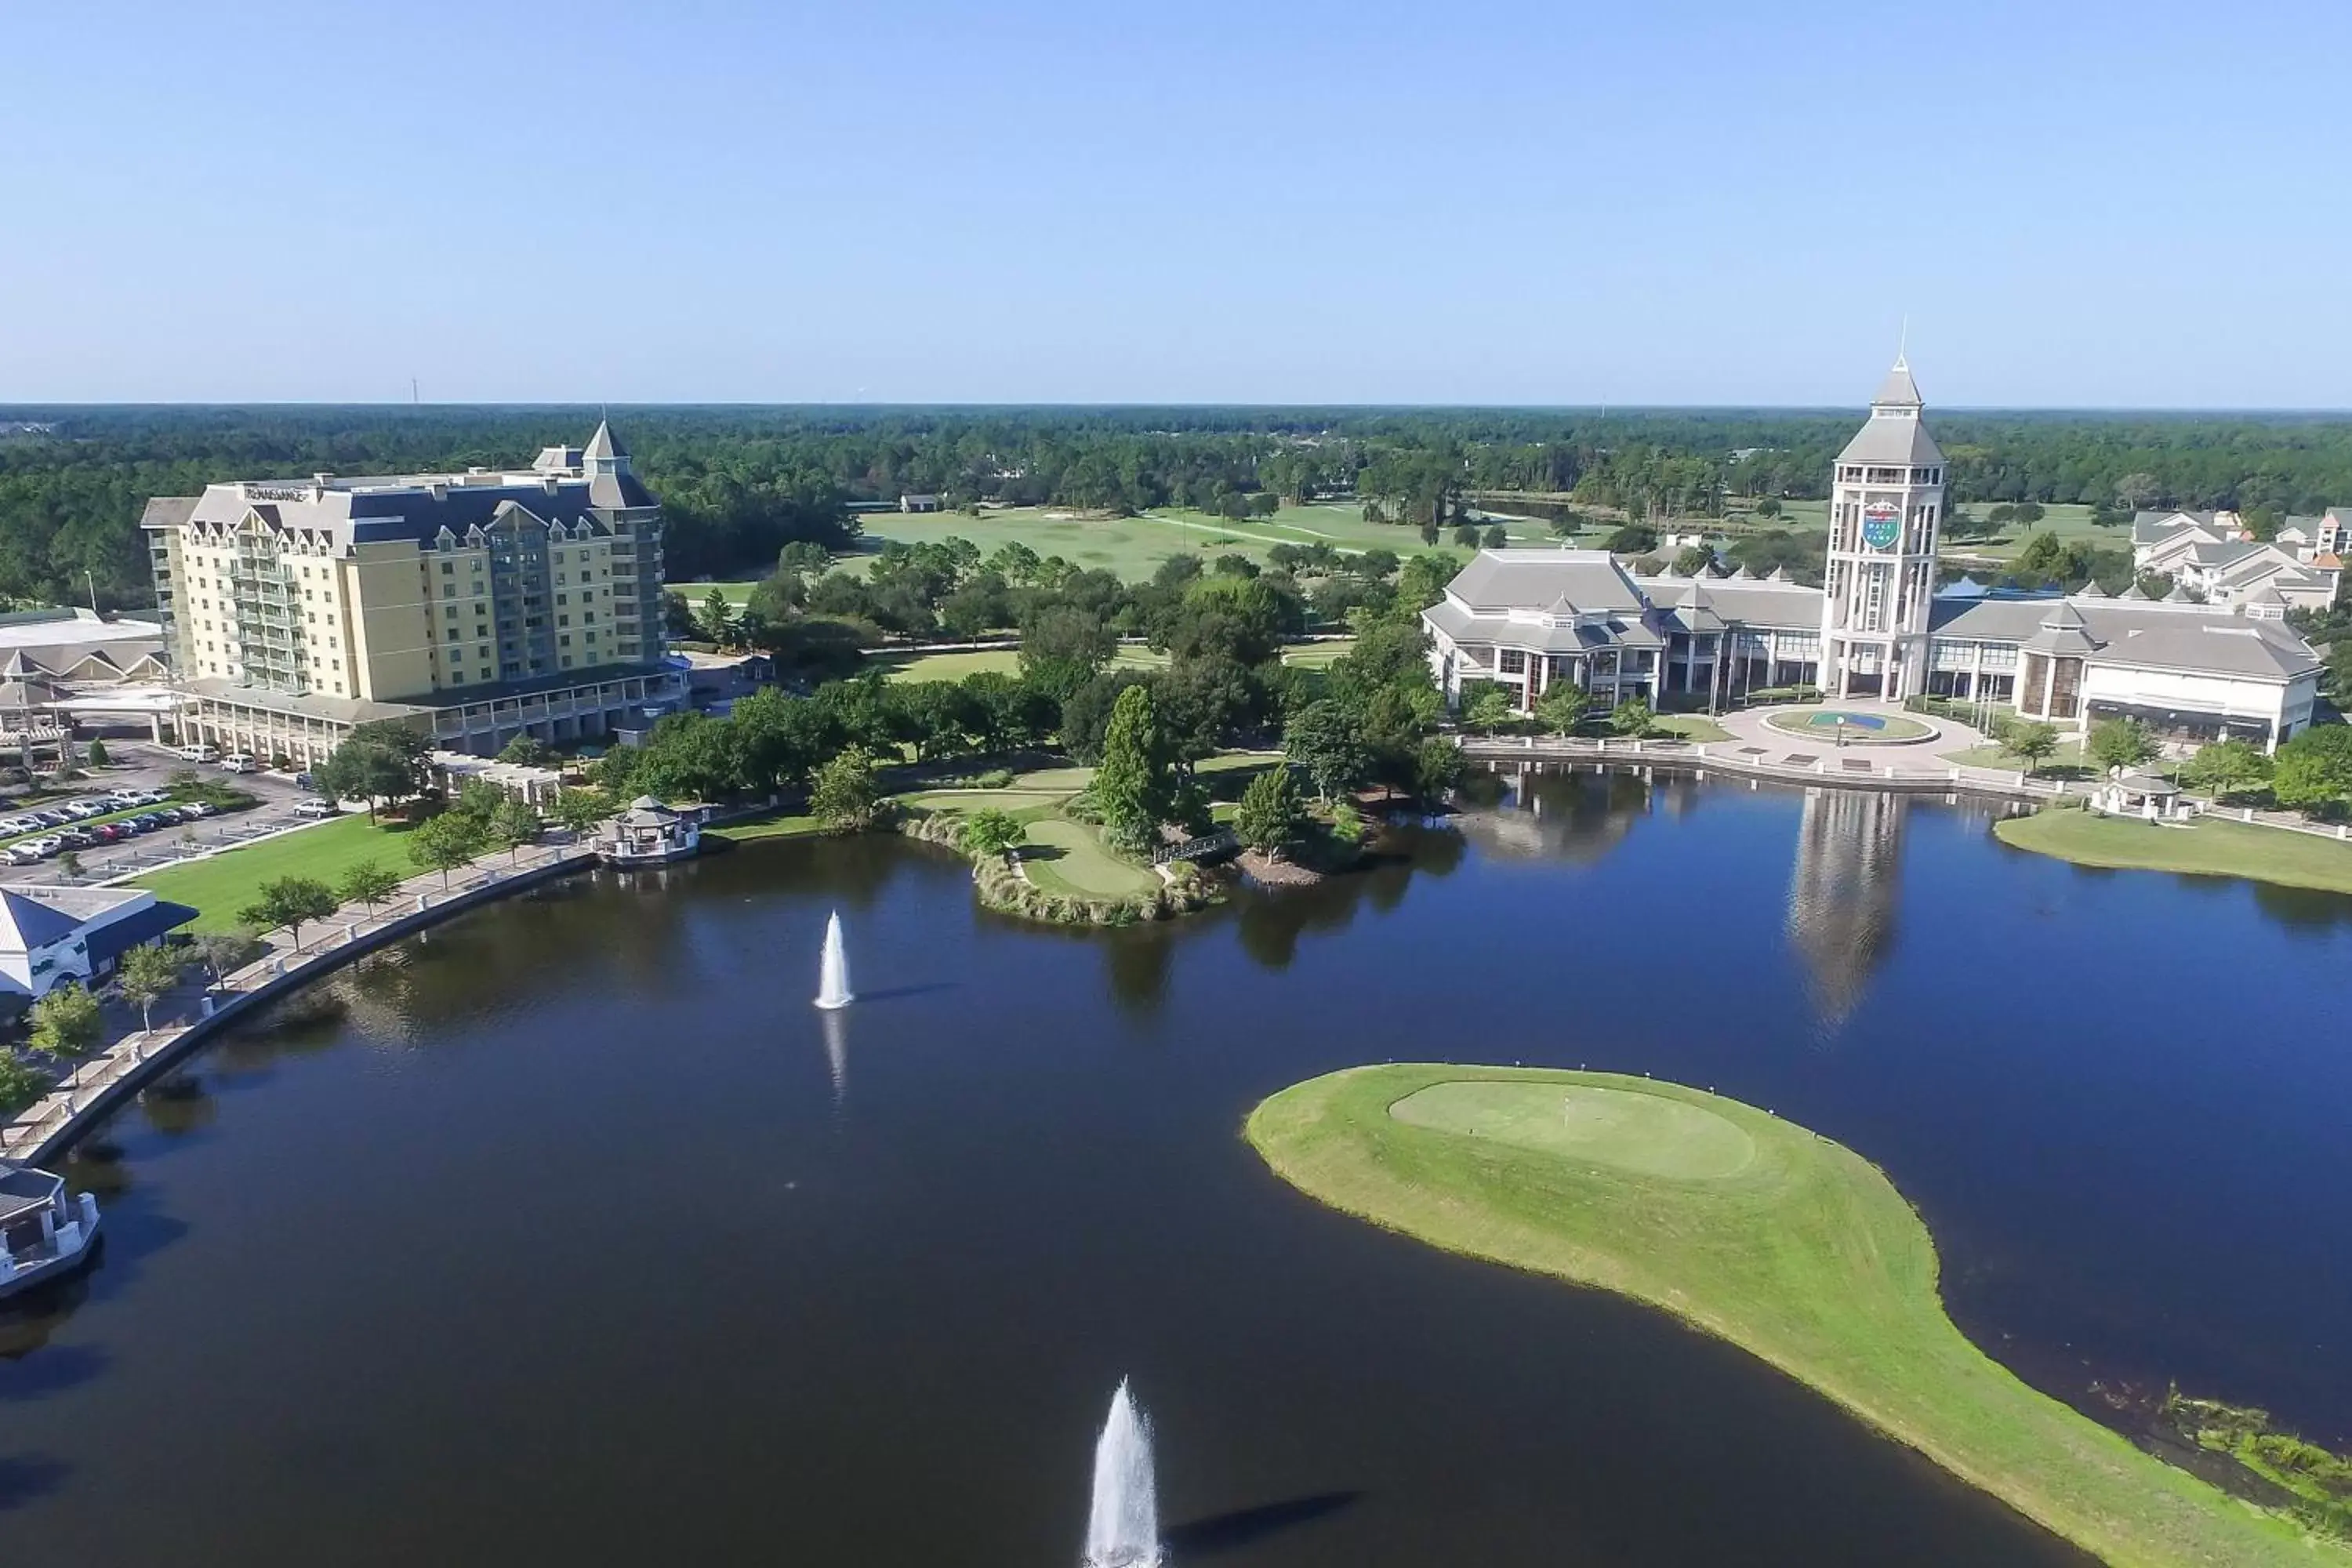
(1513, 661)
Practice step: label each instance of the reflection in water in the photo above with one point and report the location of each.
(834, 1023)
(1575, 813)
(1842, 899)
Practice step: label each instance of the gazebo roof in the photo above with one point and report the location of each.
(2146, 784)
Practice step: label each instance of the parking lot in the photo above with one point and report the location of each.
(142, 766)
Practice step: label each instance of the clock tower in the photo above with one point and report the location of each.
(1886, 509)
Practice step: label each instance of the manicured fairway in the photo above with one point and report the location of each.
(227, 882)
(2207, 847)
(1761, 1233)
(955, 666)
(1070, 858)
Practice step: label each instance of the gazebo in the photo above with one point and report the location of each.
(2130, 794)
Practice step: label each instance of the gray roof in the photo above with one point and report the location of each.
(1774, 604)
(1539, 579)
(602, 445)
(415, 507)
(24, 1190)
(1567, 637)
(2155, 636)
(1898, 390)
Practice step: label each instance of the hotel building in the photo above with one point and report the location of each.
(1530, 618)
(475, 607)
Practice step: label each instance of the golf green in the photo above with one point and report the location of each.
(1758, 1232)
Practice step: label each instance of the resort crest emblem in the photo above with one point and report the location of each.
(1882, 524)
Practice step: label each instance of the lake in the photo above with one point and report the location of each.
(571, 1233)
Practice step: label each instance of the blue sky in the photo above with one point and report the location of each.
(2075, 203)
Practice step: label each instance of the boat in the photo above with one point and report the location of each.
(44, 1233)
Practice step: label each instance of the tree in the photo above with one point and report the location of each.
(65, 1022)
(2139, 491)
(1063, 646)
(715, 619)
(2030, 742)
(1562, 707)
(2226, 767)
(1496, 536)
(1486, 707)
(2026, 512)
(580, 810)
(528, 750)
(990, 831)
(1326, 740)
(224, 952)
(1270, 814)
(1695, 560)
(1633, 539)
(479, 799)
(146, 976)
(380, 760)
(841, 794)
(294, 901)
(513, 825)
(1631, 718)
(1132, 788)
(2121, 743)
(1768, 508)
(446, 842)
(1437, 767)
(98, 757)
(370, 882)
(2314, 771)
(70, 864)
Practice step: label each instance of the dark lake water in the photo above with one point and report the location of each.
(572, 1234)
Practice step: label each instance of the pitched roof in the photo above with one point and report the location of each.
(28, 923)
(1591, 580)
(1898, 389)
(602, 445)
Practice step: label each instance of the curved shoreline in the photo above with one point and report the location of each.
(1816, 1265)
(140, 1061)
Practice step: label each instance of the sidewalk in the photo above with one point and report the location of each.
(130, 1050)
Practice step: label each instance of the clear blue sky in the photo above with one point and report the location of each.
(2075, 201)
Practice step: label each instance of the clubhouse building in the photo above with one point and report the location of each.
(1529, 619)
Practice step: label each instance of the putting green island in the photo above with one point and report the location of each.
(1745, 1227)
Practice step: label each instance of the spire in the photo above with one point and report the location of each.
(602, 445)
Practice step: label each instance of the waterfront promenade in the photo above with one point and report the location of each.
(133, 1057)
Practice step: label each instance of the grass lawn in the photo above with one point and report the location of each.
(1690, 727)
(1003, 661)
(2205, 846)
(1788, 1246)
(2067, 762)
(783, 824)
(1317, 655)
(222, 884)
(2069, 522)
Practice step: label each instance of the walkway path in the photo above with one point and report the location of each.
(133, 1054)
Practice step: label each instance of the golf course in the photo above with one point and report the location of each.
(1757, 1231)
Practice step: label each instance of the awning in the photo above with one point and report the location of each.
(108, 942)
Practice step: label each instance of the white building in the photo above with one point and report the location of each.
(2210, 553)
(48, 935)
(1528, 619)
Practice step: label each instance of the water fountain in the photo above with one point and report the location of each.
(1123, 1525)
(833, 977)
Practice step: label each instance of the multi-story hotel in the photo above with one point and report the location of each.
(475, 605)
(1528, 619)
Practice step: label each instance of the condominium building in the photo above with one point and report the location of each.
(474, 606)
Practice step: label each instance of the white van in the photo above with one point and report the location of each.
(197, 753)
(240, 762)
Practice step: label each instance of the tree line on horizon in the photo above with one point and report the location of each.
(740, 484)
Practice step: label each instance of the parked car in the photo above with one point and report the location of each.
(108, 833)
(46, 846)
(16, 824)
(313, 810)
(240, 762)
(199, 808)
(76, 838)
(146, 822)
(83, 810)
(145, 796)
(22, 855)
(304, 781)
(198, 754)
(51, 819)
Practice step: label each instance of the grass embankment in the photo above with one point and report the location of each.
(2068, 762)
(218, 887)
(1695, 727)
(2204, 846)
(1788, 1246)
